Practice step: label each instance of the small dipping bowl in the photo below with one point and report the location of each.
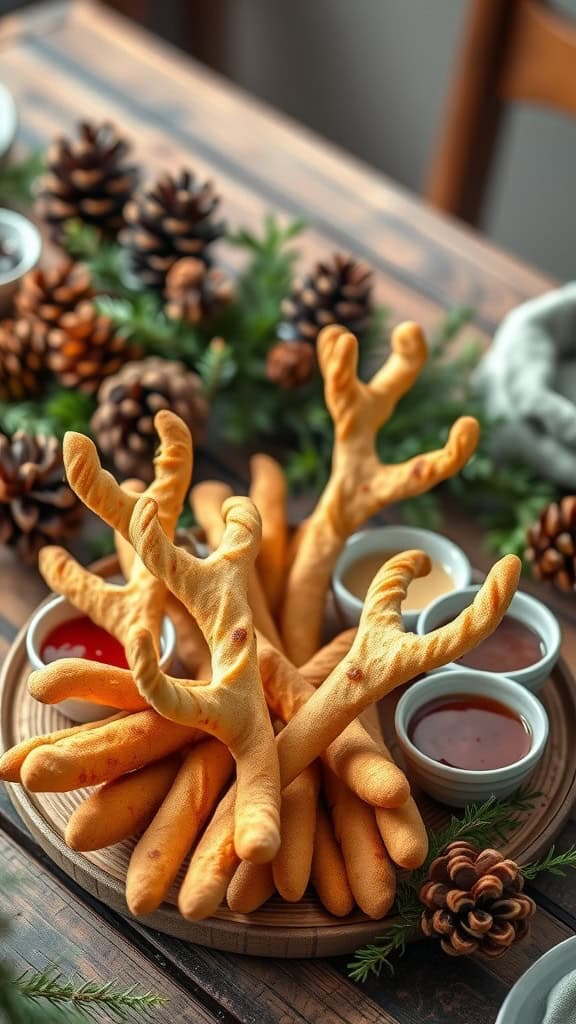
(459, 786)
(523, 607)
(54, 613)
(19, 234)
(386, 539)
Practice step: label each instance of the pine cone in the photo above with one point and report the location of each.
(290, 364)
(85, 349)
(47, 294)
(88, 178)
(22, 358)
(37, 506)
(474, 902)
(173, 219)
(552, 544)
(336, 291)
(194, 292)
(123, 423)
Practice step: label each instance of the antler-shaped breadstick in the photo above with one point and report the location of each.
(206, 500)
(268, 492)
(359, 485)
(381, 658)
(232, 707)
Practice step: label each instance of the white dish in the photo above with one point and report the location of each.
(525, 608)
(458, 786)
(59, 610)
(26, 240)
(396, 538)
(526, 1001)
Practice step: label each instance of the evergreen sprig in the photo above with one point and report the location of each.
(553, 863)
(482, 825)
(58, 410)
(17, 180)
(88, 998)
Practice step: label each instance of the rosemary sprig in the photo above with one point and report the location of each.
(88, 998)
(553, 863)
(481, 825)
(17, 180)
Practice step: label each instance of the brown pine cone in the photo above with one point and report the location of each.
(23, 348)
(173, 219)
(88, 178)
(85, 349)
(37, 506)
(336, 291)
(194, 292)
(552, 544)
(474, 902)
(123, 423)
(47, 294)
(291, 364)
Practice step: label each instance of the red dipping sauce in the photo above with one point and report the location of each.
(512, 646)
(82, 638)
(475, 733)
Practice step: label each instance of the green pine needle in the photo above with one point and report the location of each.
(88, 998)
(17, 180)
(553, 863)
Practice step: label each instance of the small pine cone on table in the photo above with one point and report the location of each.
(48, 294)
(172, 220)
(474, 902)
(37, 506)
(88, 178)
(85, 349)
(123, 423)
(23, 347)
(195, 292)
(336, 291)
(552, 544)
(291, 364)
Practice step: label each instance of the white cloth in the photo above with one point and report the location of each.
(527, 381)
(561, 1004)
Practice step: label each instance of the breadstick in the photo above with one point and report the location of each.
(124, 550)
(159, 853)
(353, 755)
(369, 869)
(381, 658)
(404, 834)
(328, 874)
(293, 862)
(232, 706)
(268, 492)
(86, 680)
(251, 886)
(103, 754)
(359, 485)
(206, 500)
(191, 647)
(321, 664)
(12, 760)
(121, 808)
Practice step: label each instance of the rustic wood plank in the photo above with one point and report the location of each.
(47, 925)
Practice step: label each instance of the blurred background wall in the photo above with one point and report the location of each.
(372, 75)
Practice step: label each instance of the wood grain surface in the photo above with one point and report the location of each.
(66, 61)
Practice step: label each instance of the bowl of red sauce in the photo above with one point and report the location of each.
(58, 630)
(525, 646)
(468, 735)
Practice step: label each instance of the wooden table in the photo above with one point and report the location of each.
(66, 62)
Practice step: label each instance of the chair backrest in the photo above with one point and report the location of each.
(512, 51)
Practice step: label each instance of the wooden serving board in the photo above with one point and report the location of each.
(278, 929)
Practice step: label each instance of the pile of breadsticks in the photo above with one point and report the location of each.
(256, 769)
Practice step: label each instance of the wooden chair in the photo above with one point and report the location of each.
(512, 51)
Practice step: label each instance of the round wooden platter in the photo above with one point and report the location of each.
(278, 929)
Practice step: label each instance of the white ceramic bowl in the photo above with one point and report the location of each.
(396, 538)
(458, 786)
(525, 608)
(59, 610)
(526, 1001)
(26, 237)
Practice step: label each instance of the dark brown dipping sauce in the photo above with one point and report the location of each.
(475, 733)
(511, 646)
